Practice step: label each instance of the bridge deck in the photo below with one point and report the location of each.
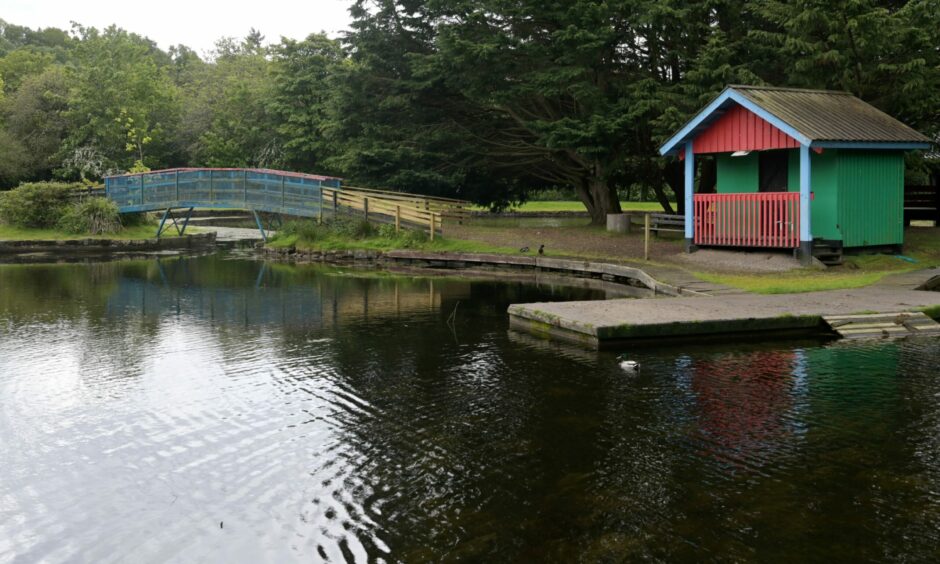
(275, 191)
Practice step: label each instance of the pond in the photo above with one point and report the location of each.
(223, 409)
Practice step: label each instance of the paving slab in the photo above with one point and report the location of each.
(595, 322)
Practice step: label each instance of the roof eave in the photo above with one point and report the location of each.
(898, 145)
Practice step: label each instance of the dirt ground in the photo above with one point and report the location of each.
(571, 237)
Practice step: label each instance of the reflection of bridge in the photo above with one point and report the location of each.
(273, 299)
(273, 191)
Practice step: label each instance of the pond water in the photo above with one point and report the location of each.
(228, 410)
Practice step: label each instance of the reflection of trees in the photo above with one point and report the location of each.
(418, 437)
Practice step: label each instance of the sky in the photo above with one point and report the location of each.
(195, 23)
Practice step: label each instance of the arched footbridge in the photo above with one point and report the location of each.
(276, 192)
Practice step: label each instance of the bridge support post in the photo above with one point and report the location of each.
(264, 236)
(168, 214)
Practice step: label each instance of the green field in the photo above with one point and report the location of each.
(563, 206)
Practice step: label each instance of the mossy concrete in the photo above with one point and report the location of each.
(597, 322)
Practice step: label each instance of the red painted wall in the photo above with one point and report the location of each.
(740, 130)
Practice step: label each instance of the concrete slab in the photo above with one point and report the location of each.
(596, 323)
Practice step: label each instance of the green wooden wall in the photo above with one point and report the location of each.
(858, 196)
(871, 198)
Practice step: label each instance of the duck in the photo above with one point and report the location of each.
(628, 365)
(541, 249)
(524, 250)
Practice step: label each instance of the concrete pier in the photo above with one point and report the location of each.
(598, 323)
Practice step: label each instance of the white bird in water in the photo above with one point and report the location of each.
(629, 365)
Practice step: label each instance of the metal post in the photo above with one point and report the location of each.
(806, 232)
(397, 219)
(245, 188)
(646, 236)
(162, 222)
(282, 193)
(182, 231)
(689, 198)
(177, 186)
(264, 236)
(320, 208)
(141, 189)
(211, 188)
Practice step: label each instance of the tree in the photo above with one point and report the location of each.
(119, 75)
(35, 116)
(305, 83)
(227, 121)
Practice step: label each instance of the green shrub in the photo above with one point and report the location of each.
(92, 216)
(353, 228)
(35, 205)
(135, 219)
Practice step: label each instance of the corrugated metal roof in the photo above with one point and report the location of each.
(827, 115)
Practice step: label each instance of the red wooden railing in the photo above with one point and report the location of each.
(767, 219)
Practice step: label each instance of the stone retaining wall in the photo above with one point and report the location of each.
(604, 271)
(98, 245)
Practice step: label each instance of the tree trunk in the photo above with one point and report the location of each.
(600, 198)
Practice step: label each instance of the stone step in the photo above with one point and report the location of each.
(880, 325)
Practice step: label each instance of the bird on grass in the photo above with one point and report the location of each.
(541, 249)
(524, 250)
(628, 365)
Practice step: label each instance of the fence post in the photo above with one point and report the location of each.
(177, 186)
(431, 218)
(245, 188)
(646, 236)
(335, 205)
(141, 188)
(320, 208)
(397, 218)
(282, 194)
(365, 206)
(211, 188)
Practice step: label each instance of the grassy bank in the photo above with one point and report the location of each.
(921, 250)
(10, 233)
(353, 234)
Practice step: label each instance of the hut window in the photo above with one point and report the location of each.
(773, 171)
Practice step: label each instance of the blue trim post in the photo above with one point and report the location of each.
(264, 236)
(806, 231)
(163, 222)
(689, 199)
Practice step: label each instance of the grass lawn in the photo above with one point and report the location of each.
(575, 206)
(338, 243)
(8, 233)
(922, 244)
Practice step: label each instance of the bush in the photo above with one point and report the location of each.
(92, 216)
(353, 228)
(36, 205)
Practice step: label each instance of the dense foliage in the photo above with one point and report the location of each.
(478, 99)
(53, 205)
(38, 205)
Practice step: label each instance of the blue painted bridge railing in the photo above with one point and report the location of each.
(273, 191)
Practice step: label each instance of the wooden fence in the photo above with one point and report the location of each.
(402, 209)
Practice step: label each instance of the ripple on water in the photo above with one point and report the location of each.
(341, 419)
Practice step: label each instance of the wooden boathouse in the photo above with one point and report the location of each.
(809, 170)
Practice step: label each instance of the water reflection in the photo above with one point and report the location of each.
(321, 414)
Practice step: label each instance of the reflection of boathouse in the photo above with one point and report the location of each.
(744, 403)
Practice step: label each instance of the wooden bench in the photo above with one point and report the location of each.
(667, 222)
(921, 202)
(660, 222)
